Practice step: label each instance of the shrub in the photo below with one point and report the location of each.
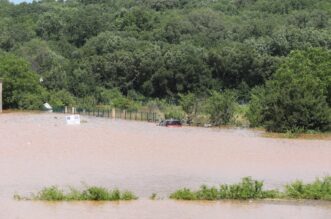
(50, 194)
(59, 99)
(221, 107)
(246, 189)
(184, 194)
(320, 189)
(174, 112)
(91, 193)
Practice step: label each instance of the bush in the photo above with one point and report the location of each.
(174, 112)
(221, 107)
(320, 189)
(60, 99)
(246, 189)
(89, 194)
(50, 194)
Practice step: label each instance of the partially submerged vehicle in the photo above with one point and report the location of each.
(171, 123)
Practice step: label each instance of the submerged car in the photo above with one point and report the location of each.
(171, 123)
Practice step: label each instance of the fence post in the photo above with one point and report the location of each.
(113, 113)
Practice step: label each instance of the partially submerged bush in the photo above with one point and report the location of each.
(89, 194)
(246, 189)
(221, 107)
(320, 189)
(50, 194)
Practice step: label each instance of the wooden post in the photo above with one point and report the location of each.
(113, 113)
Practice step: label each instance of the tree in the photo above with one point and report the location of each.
(48, 64)
(50, 26)
(296, 98)
(21, 86)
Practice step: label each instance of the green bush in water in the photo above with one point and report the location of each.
(246, 189)
(184, 194)
(50, 194)
(320, 189)
(89, 194)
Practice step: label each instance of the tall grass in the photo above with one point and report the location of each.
(93, 193)
(246, 189)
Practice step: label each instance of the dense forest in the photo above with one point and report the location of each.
(266, 60)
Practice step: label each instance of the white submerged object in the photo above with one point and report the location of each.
(73, 120)
(47, 107)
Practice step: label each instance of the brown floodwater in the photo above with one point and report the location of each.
(38, 150)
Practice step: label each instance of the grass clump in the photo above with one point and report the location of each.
(320, 189)
(246, 189)
(92, 193)
(50, 194)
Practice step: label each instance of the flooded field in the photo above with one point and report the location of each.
(38, 150)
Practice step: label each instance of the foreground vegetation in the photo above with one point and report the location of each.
(263, 63)
(248, 188)
(320, 189)
(89, 194)
(253, 189)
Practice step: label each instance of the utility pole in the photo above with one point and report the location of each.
(0, 95)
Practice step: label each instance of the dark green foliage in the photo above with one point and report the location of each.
(163, 48)
(89, 194)
(21, 86)
(297, 96)
(246, 189)
(320, 189)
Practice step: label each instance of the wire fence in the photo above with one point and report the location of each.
(112, 114)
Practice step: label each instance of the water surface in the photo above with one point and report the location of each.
(38, 150)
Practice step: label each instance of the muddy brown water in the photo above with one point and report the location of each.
(38, 150)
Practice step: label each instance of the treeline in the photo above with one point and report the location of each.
(271, 54)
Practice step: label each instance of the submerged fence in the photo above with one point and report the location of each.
(112, 114)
